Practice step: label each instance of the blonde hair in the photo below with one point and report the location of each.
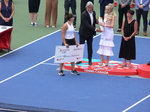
(111, 14)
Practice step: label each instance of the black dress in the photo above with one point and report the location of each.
(127, 48)
(33, 6)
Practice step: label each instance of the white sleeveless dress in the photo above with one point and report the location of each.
(106, 41)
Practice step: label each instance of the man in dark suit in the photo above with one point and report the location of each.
(87, 29)
(83, 4)
(103, 3)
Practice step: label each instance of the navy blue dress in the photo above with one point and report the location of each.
(6, 12)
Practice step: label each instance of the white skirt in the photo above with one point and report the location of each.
(106, 42)
(105, 50)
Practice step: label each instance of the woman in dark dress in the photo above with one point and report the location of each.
(127, 47)
(33, 10)
(6, 12)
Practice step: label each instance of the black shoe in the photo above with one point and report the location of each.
(75, 27)
(90, 63)
(118, 31)
(74, 72)
(61, 73)
(78, 62)
(148, 63)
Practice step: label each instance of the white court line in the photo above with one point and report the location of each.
(29, 43)
(26, 70)
(11, 110)
(136, 103)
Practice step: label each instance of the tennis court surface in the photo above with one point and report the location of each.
(29, 81)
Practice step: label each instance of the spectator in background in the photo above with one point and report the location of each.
(87, 29)
(83, 4)
(51, 12)
(33, 6)
(71, 4)
(127, 47)
(68, 38)
(124, 6)
(103, 3)
(6, 12)
(142, 7)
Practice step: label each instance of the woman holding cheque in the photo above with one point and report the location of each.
(68, 38)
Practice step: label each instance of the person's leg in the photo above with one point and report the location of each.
(145, 22)
(73, 71)
(101, 59)
(120, 11)
(107, 60)
(124, 63)
(35, 18)
(138, 17)
(31, 19)
(61, 69)
(130, 63)
(48, 13)
(82, 41)
(73, 65)
(66, 6)
(73, 8)
(102, 10)
(54, 12)
(90, 48)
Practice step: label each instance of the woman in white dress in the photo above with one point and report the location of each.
(106, 41)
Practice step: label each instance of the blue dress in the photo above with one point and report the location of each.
(6, 12)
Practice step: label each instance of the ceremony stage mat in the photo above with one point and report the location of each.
(114, 68)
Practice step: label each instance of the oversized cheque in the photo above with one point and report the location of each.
(71, 54)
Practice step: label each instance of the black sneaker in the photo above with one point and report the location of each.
(61, 73)
(74, 72)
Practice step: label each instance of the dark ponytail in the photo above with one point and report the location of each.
(68, 16)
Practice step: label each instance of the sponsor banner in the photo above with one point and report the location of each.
(71, 54)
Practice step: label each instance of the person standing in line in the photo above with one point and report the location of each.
(103, 3)
(87, 29)
(6, 12)
(68, 38)
(51, 12)
(142, 8)
(124, 6)
(71, 4)
(33, 6)
(106, 41)
(127, 47)
(83, 4)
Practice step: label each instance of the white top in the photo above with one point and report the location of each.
(69, 31)
(91, 16)
(3, 28)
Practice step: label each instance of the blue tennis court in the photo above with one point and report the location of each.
(29, 81)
